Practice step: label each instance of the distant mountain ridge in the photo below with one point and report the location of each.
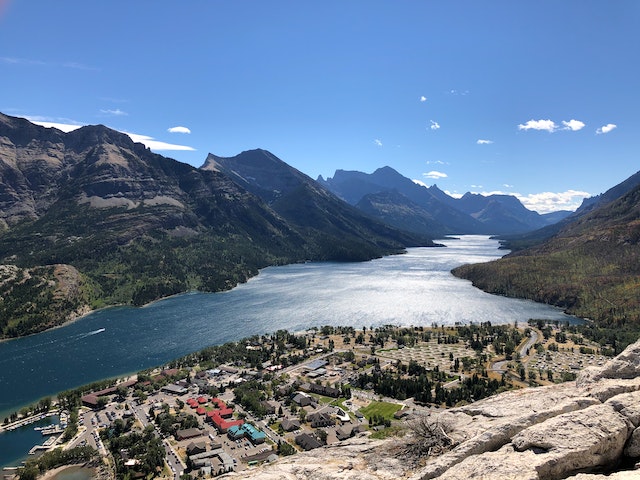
(432, 209)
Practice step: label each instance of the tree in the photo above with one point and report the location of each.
(322, 435)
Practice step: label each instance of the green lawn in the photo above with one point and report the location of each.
(385, 409)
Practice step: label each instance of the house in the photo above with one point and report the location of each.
(302, 399)
(320, 419)
(290, 424)
(347, 430)
(195, 448)
(307, 441)
(270, 406)
(321, 389)
(188, 433)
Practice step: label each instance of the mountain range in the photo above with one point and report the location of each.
(90, 218)
(133, 226)
(401, 202)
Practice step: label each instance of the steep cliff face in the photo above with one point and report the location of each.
(578, 430)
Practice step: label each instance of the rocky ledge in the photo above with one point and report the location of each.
(582, 430)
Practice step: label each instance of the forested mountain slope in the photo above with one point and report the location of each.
(591, 268)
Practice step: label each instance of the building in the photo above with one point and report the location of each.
(302, 399)
(221, 424)
(195, 448)
(321, 390)
(347, 430)
(307, 441)
(320, 419)
(246, 430)
(290, 424)
(188, 433)
(270, 406)
(174, 389)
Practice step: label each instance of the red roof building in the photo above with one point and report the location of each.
(220, 423)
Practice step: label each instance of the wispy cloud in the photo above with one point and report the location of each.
(547, 125)
(573, 125)
(458, 92)
(116, 113)
(148, 141)
(476, 186)
(484, 142)
(377, 142)
(423, 98)
(434, 174)
(606, 128)
(40, 63)
(178, 130)
(434, 125)
(22, 61)
(436, 162)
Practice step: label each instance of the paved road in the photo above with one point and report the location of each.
(501, 366)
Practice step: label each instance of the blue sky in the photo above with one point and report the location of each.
(534, 98)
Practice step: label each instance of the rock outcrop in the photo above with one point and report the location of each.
(579, 430)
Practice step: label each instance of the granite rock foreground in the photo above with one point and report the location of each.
(582, 430)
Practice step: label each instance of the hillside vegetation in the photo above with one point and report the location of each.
(591, 269)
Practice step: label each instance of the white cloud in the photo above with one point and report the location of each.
(419, 182)
(573, 125)
(423, 98)
(65, 127)
(436, 162)
(157, 145)
(484, 142)
(377, 142)
(178, 129)
(148, 141)
(506, 185)
(434, 125)
(454, 194)
(548, 125)
(476, 186)
(434, 174)
(116, 113)
(546, 202)
(606, 128)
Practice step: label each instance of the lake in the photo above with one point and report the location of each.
(416, 288)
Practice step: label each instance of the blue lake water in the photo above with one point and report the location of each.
(416, 288)
(15, 444)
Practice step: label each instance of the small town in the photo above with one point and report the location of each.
(231, 407)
